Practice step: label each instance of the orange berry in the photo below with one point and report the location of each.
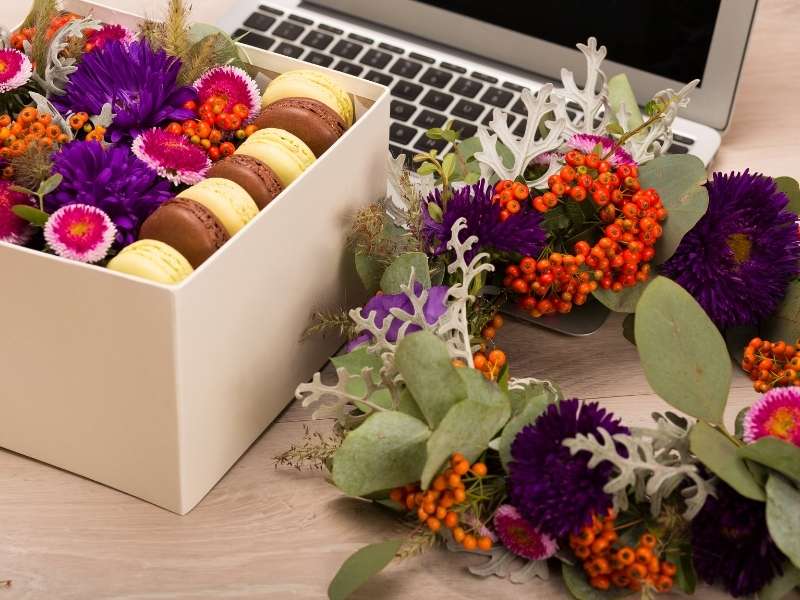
(485, 543)
(434, 524)
(451, 520)
(626, 555)
(479, 361)
(498, 357)
(459, 495)
(422, 515)
(601, 583)
(585, 537)
(648, 540)
(497, 321)
(459, 535)
(44, 119)
(654, 566)
(582, 552)
(489, 332)
(668, 568)
(461, 467)
(457, 457)
(439, 483)
(479, 469)
(599, 546)
(643, 555)
(447, 500)
(637, 571)
(396, 495)
(664, 583)
(454, 481)
(429, 507)
(620, 579)
(469, 542)
(441, 512)
(603, 566)
(5, 121)
(410, 504)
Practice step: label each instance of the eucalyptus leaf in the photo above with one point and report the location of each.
(360, 567)
(50, 184)
(623, 301)
(620, 92)
(782, 585)
(679, 179)
(449, 165)
(682, 352)
(784, 324)
(719, 455)
(33, 215)
(533, 407)
(355, 362)
(791, 188)
(424, 362)
(386, 451)
(578, 585)
(783, 516)
(426, 168)
(737, 338)
(369, 271)
(738, 426)
(399, 272)
(777, 454)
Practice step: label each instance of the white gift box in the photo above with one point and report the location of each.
(157, 390)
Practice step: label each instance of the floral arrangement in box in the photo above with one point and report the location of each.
(430, 423)
(145, 151)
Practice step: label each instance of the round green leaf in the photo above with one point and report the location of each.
(399, 272)
(360, 566)
(785, 322)
(386, 451)
(783, 516)
(678, 179)
(33, 215)
(369, 271)
(527, 404)
(623, 301)
(777, 454)
(782, 585)
(682, 353)
(791, 188)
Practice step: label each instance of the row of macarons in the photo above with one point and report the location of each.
(303, 113)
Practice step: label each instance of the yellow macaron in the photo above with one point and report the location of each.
(286, 154)
(229, 202)
(307, 83)
(153, 260)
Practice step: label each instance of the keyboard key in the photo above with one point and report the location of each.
(497, 97)
(519, 130)
(390, 48)
(519, 108)
(484, 77)
(288, 49)
(287, 30)
(467, 110)
(257, 40)
(426, 144)
(490, 115)
(405, 68)
(466, 87)
(378, 77)
(465, 130)
(436, 77)
(330, 28)
(259, 21)
(376, 58)
(302, 20)
(512, 86)
(402, 111)
(428, 119)
(452, 67)
(349, 68)
(677, 149)
(397, 151)
(422, 57)
(406, 90)
(270, 9)
(317, 39)
(360, 38)
(238, 34)
(402, 134)
(315, 58)
(346, 49)
(574, 106)
(682, 140)
(436, 99)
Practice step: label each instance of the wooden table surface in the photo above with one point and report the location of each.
(267, 533)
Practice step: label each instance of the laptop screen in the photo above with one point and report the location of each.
(671, 39)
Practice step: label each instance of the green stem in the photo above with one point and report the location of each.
(633, 132)
(721, 429)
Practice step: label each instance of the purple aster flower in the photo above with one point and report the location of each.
(520, 536)
(731, 543)
(111, 179)
(585, 142)
(521, 233)
(435, 307)
(740, 257)
(171, 155)
(140, 83)
(556, 491)
(777, 414)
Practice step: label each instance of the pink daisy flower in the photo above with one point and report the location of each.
(776, 413)
(585, 142)
(15, 69)
(518, 535)
(109, 33)
(80, 232)
(13, 229)
(171, 155)
(232, 84)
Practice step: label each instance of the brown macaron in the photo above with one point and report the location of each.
(313, 122)
(254, 176)
(187, 226)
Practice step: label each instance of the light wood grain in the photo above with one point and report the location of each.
(265, 533)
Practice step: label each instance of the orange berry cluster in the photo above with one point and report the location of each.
(489, 330)
(772, 364)
(215, 128)
(30, 127)
(80, 122)
(552, 284)
(439, 505)
(511, 195)
(622, 567)
(491, 364)
(19, 38)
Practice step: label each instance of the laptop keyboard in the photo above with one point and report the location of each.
(426, 92)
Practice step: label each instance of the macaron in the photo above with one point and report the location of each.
(315, 123)
(153, 260)
(254, 176)
(228, 201)
(187, 226)
(307, 83)
(283, 152)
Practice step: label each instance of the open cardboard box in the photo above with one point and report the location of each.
(157, 390)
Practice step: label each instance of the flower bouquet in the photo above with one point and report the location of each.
(430, 424)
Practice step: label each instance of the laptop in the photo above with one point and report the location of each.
(459, 59)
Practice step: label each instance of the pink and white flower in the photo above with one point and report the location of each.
(15, 69)
(233, 85)
(13, 229)
(586, 142)
(80, 232)
(171, 155)
(520, 536)
(777, 414)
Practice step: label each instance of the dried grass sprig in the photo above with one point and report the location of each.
(312, 453)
